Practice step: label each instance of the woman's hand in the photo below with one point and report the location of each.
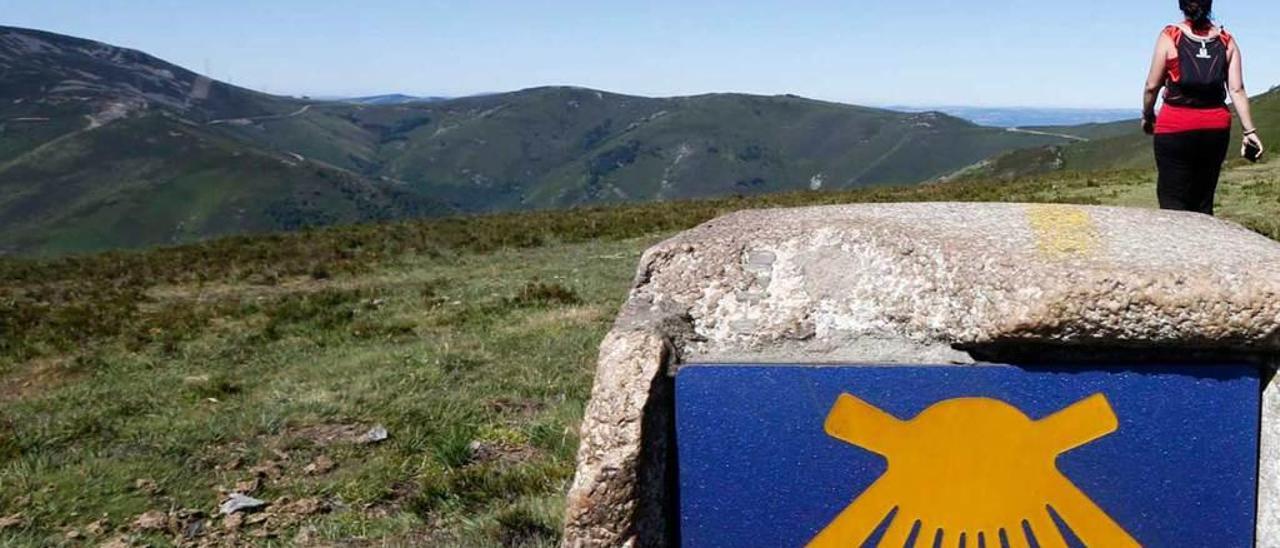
(1253, 139)
(1149, 125)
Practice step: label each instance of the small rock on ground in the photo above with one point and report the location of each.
(153, 520)
(377, 434)
(237, 502)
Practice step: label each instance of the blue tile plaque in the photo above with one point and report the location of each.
(777, 456)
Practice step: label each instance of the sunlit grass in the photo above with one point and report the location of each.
(471, 340)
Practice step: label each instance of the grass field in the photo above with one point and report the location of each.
(136, 389)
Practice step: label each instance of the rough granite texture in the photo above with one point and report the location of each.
(617, 495)
(1269, 468)
(912, 283)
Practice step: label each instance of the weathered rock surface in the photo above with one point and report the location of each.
(966, 274)
(617, 498)
(905, 283)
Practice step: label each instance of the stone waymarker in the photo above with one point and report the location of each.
(872, 334)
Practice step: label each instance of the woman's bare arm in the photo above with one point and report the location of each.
(1155, 81)
(1240, 97)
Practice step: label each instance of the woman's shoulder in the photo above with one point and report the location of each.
(1226, 37)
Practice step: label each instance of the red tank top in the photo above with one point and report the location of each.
(1177, 118)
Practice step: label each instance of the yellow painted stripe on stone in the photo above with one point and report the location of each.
(1062, 230)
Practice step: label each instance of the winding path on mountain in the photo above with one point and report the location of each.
(1048, 134)
(268, 117)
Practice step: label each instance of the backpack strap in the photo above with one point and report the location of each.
(1214, 34)
(1227, 39)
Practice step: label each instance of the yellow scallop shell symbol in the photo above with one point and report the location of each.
(972, 468)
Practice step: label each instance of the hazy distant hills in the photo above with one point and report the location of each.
(104, 147)
(391, 99)
(1029, 116)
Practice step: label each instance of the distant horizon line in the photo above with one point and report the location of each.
(871, 104)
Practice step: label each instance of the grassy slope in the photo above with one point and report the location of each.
(1093, 131)
(472, 340)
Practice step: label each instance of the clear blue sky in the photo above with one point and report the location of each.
(902, 52)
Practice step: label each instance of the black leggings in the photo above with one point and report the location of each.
(1189, 164)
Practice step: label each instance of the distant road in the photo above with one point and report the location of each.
(298, 112)
(1047, 134)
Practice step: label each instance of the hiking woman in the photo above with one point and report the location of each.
(1197, 63)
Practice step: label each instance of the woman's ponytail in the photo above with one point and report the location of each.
(1198, 12)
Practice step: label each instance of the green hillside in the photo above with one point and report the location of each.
(152, 179)
(152, 382)
(104, 147)
(1092, 131)
(44, 69)
(558, 147)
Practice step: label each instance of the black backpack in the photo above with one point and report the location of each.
(1201, 81)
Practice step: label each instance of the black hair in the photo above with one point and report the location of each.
(1199, 12)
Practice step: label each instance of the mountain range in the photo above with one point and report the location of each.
(103, 147)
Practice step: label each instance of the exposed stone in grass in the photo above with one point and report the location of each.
(118, 541)
(249, 486)
(237, 502)
(99, 527)
(306, 537)
(501, 452)
(147, 486)
(517, 407)
(303, 507)
(377, 434)
(324, 435)
(151, 521)
(194, 527)
(319, 466)
(275, 520)
(269, 470)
